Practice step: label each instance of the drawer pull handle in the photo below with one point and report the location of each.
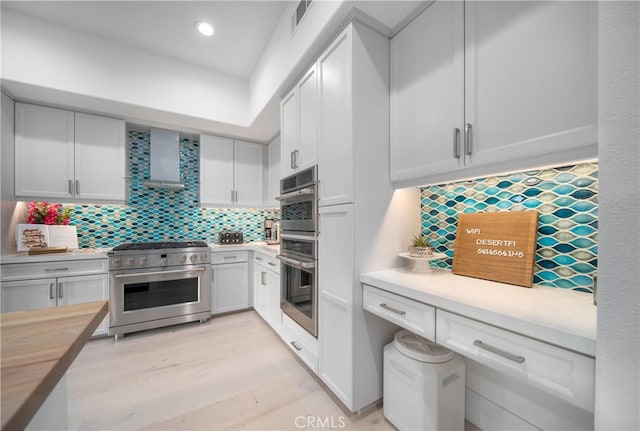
(230, 257)
(272, 263)
(55, 269)
(258, 258)
(500, 352)
(295, 346)
(392, 309)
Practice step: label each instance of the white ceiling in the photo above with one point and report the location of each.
(242, 28)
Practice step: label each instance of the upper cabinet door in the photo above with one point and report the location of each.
(307, 146)
(249, 173)
(531, 82)
(335, 149)
(427, 93)
(216, 170)
(100, 158)
(44, 142)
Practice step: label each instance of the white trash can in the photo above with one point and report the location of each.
(424, 385)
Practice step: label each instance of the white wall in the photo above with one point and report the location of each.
(618, 335)
(44, 54)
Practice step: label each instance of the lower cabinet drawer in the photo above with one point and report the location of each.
(415, 316)
(219, 257)
(563, 373)
(302, 343)
(63, 268)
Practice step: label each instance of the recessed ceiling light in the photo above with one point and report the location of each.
(204, 28)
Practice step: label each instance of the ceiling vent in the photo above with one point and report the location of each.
(300, 11)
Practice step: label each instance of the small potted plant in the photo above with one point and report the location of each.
(420, 247)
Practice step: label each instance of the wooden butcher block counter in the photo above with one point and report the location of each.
(38, 346)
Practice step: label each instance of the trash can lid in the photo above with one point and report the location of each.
(420, 349)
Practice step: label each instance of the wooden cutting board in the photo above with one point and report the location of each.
(497, 246)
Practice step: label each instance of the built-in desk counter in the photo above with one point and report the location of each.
(521, 344)
(556, 316)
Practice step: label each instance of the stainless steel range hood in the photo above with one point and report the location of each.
(164, 157)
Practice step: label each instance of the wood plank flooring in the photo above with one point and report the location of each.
(231, 373)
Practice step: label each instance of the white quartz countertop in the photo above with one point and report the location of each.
(557, 316)
(262, 247)
(80, 254)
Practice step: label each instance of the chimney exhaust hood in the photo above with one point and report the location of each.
(164, 157)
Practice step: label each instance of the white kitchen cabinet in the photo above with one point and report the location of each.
(28, 294)
(231, 172)
(266, 289)
(100, 158)
(302, 343)
(335, 150)
(64, 155)
(299, 130)
(29, 286)
(335, 299)
(486, 87)
(358, 226)
(273, 174)
(230, 286)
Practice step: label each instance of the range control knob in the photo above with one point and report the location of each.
(193, 258)
(183, 259)
(116, 261)
(143, 260)
(203, 258)
(163, 260)
(131, 261)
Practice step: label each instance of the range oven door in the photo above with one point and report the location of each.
(137, 295)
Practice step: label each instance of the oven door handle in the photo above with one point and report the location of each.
(301, 192)
(300, 264)
(143, 274)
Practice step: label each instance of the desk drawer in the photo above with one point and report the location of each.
(415, 316)
(561, 372)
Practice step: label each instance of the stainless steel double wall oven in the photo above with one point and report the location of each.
(298, 248)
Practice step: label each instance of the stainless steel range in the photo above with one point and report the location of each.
(156, 284)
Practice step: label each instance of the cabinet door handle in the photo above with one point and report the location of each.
(295, 346)
(392, 309)
(295, 158)
(231, 195)
(263, 276)
(52, 295)
(60, 290)
(456, 143)
(71, 187)
(468, 139)
(499, 352)
(235, 196)
(291, 155)
(77, 187)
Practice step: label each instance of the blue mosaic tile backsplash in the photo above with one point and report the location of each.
(162, 214)
(566, 199)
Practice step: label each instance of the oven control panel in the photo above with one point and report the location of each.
(159, 259)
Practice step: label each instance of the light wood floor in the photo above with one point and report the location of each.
(232, 372)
